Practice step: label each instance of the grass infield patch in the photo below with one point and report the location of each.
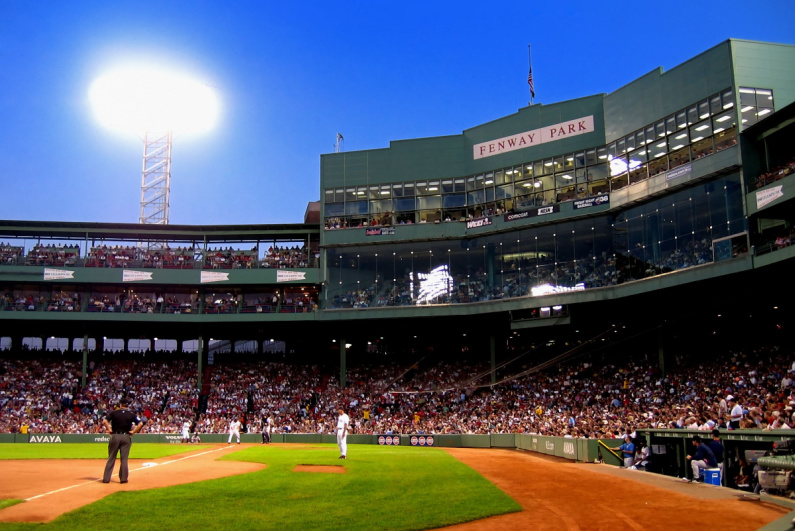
(90, 451)
(384, 488)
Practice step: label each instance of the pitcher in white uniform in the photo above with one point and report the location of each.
(234, 431)
(342, 433)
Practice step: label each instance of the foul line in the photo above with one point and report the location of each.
(131, 470)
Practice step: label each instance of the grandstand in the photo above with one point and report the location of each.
(651, 226)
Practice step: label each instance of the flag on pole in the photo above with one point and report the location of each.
(530, 82)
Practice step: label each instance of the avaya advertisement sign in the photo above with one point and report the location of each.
(535, 137)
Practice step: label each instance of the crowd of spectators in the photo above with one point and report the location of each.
(164, 257)
(598, 398)
(52, 255)
(779, 172)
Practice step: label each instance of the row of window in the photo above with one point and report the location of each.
(691, 133)
(688, 228)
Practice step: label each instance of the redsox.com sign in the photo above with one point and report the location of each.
(389, 440)
(421, 440)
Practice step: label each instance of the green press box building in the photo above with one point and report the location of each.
(560, 216)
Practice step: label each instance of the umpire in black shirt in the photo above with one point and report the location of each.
(121, 424)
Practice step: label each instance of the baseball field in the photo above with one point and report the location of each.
(293, 486)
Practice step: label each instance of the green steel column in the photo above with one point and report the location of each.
(343, 353)
(200, 349)
(85, 361)
(493, 351)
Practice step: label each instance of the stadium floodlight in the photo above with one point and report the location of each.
(154, 104)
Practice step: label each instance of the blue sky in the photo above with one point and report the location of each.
(290, 76)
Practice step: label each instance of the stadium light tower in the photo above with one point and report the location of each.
(154, 104)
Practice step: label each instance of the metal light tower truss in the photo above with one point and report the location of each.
(156, 179)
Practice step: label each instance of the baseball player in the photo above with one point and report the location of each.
(234, 431)
(186, 431)
(343, 423)
(267, 429)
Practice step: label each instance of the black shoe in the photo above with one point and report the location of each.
(103, 481)
(125, 481)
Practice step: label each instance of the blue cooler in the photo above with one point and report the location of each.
(712, 476)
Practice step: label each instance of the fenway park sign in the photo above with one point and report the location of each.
(535, 137)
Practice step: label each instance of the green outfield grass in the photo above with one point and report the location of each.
(384, 488)
(90, 451)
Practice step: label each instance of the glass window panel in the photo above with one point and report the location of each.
(361, 192)
(454, 200)
(356, 207)
(564, 179)
(527, 171)
(590, 157)
(681, 120)
(764, 98)
(405, 204)
(471, 183)
(727, 99)
(434, 187)
(601, 154)
(722, 121)
(568, 162)
(447, 186)
(597, 172)
(339, 195)
(548, 167)
(328, 196)
(703, 147)
(558, 164)
(579, 159)
(581, 175)
(538, 168)
(618, 165)
(658, 165)
(505, 191)
(747, 96)
(335, 209)
(621, 146)
(397, 190)
(350, 194)
(715, 106)
(499, 177)
(409, 189)
(385, 191)
(373, 192)
(429, 202)
(630, 142)
(637, 158)
(611, 150)
(703, 110)
(480, 182)
(422, 188)
(692, 115)
(677, 158)
(678, 140)
(670, 125)
(381, 207)
(701, 130)
(490, 193)
(657, 148)
(476, 197)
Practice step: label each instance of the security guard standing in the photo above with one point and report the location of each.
(121, 424)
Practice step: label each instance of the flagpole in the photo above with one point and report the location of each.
(530, 74)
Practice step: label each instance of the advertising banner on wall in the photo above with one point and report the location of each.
(681, 171)
(134, 276)
(482, 222)
(591, 201)
(289, 276)
(57, 274)
(212, 276)
(541, 211)
(381, 231)
(765, 197)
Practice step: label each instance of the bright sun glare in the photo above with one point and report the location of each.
(135, 100)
